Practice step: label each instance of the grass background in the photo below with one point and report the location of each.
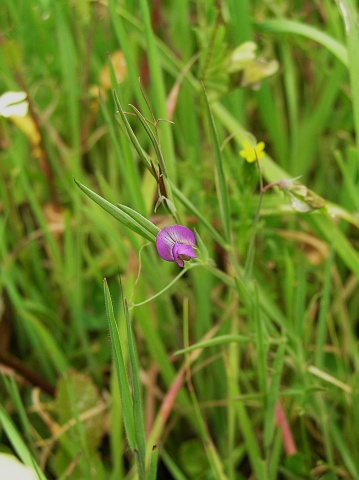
(271, 389)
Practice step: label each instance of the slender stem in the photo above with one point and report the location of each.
(26, 373)
(250, 254)
(169, 285)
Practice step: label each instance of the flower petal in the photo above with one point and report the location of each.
(10, 467)
(13, 104)
(169, 236)
(182, 252)
(164, 245)
(252, 153)
(259, 148)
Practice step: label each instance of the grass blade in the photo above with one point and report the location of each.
(222, 192)
(126, 164)
(126, 47)
(152, 471)
(291, 27)
(350, 17)
(321, 332)
(141, 153)
(219, 340)
(137, 395)
(18, 443)
(119, 361)
(273, 393)
(153, 139)
(158, 89)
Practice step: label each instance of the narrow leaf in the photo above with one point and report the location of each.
(153, 139)
(137, 395)
(273, 394)
(127, 167)
(222, 191)
(18, 443)
(121, 216)
(118, 359)
(141, 153)
(152, 471)
(220, 340)
(299, 28)
(140, 219)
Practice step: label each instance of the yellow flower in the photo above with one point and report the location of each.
(251, 154)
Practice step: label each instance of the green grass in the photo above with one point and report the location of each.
(242, 365)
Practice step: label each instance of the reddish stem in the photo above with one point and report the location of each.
(287, 437)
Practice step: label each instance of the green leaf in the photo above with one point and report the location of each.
(272, 398)
(141, 153)
(18, 443)
(125, 164)
(152, 471)
(117, 213)
(153, 139)
(220, 340)
(119, 361)
(349, 12)
(222, 191)
(158, 86)
(137, 395)
(140, 219)
(292, 27)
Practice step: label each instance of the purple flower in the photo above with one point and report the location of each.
(175, 244)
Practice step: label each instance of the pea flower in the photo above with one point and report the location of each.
(250, 153)
(175, 244)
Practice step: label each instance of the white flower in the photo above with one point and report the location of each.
(13, 104)
(12, 469)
